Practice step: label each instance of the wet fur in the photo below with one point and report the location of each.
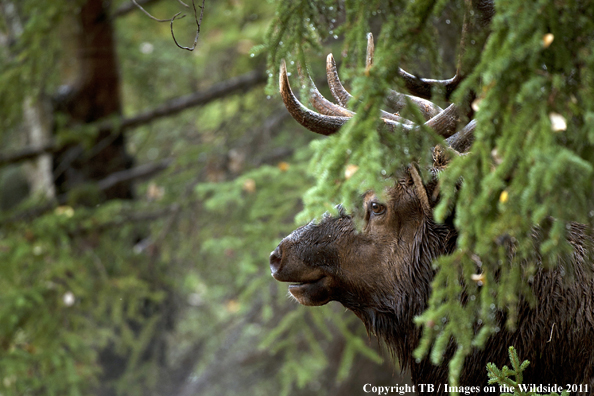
(390, 283)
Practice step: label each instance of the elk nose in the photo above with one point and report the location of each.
(275, 260)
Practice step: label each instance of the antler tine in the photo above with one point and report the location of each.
(397, 101)
(318, 123)
(445, 122)
(422, 87)
(476, 17)
(342, 96)
(319, 102)
(463, 139)
(336, 88)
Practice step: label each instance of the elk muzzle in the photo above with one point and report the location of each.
(295, 261)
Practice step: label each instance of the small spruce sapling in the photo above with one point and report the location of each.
(502, 377)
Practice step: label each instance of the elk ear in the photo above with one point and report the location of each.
(420, 190)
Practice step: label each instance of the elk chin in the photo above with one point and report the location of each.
(312, 293)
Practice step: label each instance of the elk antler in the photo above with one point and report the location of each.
(478, 15)
(395, 100)
(318, 123)
(333, 116)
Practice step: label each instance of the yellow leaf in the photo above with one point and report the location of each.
(249, 185)
(479, 278)
(154, 192)
(232, 306)
(547, 40)
(283, 166)
(350, 170)
(503, 197)
(558, 122)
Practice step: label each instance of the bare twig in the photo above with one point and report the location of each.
(176, 16)
(126, 8)
(198, 23)
(152, 17)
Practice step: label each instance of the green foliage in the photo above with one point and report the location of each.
(181, 270)
(263, 201)
(36, 47)
(66, 295)
(521, 172)
(502, 377)
(379, 154)
(524, 173)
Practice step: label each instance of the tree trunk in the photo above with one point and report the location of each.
(94, 94)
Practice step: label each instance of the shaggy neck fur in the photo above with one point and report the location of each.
(391, 317)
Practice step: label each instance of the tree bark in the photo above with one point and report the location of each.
(95, 94)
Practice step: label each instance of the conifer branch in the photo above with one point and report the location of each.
(167, 109)
(137, 173)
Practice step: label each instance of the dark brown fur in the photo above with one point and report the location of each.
(383, 274)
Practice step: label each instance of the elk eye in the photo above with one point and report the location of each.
(377, 209)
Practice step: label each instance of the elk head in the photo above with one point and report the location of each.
(386, 267)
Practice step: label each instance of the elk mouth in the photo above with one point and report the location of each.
(296, 285)
(315, 292)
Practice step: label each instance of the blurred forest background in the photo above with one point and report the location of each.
(142, 186)
(142, 189)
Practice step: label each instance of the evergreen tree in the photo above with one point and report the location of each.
(530, 169)
(163, 288)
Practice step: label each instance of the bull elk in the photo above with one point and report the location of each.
(383, 273)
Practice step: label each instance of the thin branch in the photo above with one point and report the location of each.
(126, 8)
(171, 107)
(28, 153)
(198, 24)
(176, 105)
(152, 17)
(176, 16)
(138, 172)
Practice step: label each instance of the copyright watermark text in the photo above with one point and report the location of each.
(469, 390)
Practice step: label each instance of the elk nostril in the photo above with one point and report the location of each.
(275, 259)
